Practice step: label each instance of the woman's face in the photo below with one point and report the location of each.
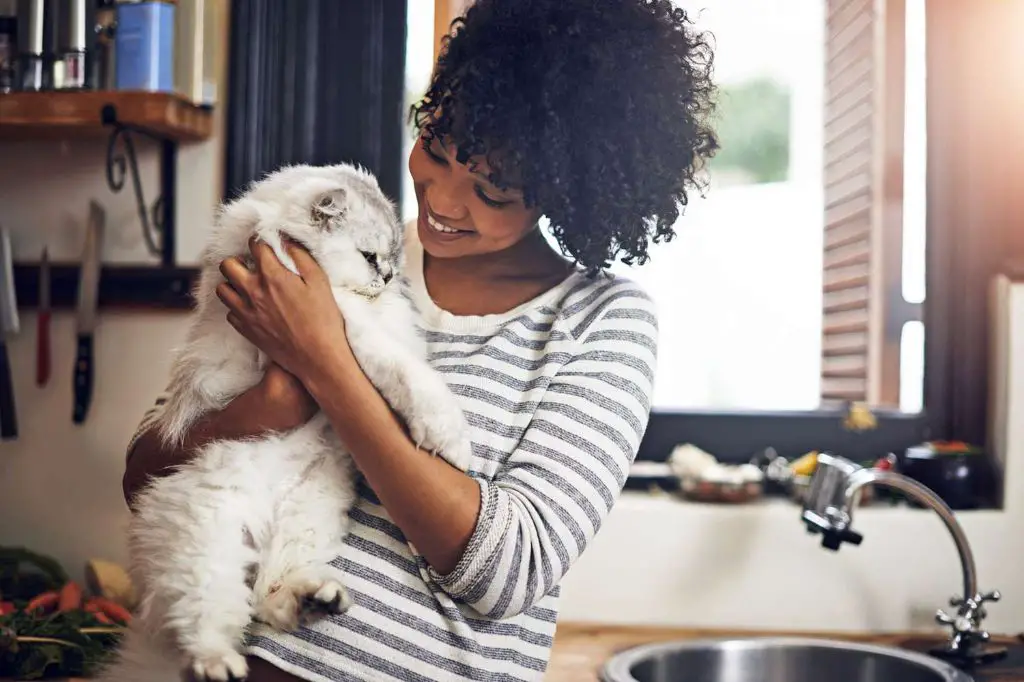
(460, 212)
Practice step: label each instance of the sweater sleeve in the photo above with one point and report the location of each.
(542, 509)
(147, 421)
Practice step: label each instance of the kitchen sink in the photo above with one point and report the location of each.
(776, 660)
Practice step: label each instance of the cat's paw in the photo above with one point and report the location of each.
(301, 600)
(458, 452)
(451, 445)
(446, 438)
(330, 599)
(225, 667)
(438, 425)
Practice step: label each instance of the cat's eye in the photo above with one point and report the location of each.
(370, 257)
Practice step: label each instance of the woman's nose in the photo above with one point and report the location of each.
(444, 202)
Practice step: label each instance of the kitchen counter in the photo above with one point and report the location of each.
(581, 649)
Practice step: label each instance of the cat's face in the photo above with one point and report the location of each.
(341, 216)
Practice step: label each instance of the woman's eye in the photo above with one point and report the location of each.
(493, 203)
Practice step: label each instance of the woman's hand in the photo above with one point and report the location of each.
(286, 397)
(292, 318)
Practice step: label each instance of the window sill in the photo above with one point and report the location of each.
(769, 506)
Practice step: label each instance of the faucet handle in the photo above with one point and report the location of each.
(966, 623)
(975, 605)
(968, 641)
(994, 595)
(960, 624)
(832, 539)
(979, 604)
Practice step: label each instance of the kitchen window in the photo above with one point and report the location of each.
(796, 285)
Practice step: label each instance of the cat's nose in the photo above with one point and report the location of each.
(387, 277)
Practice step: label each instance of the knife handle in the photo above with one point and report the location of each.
(43, 348)
(8, 415)
(83, 377)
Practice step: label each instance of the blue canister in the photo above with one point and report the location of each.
(144, 46)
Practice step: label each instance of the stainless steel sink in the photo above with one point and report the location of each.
(776, 660)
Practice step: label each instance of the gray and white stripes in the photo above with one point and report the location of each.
(558, 395)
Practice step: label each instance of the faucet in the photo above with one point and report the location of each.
(828, 510)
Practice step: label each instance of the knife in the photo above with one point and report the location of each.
(9, 325)
(85, 321)
(43, 322)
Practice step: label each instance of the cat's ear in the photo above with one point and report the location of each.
(327, 208)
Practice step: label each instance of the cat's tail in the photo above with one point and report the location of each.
(141, 657)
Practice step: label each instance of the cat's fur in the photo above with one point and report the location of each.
(247, 528)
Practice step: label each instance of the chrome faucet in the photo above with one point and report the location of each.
(828, 510)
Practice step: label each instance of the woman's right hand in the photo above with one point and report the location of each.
(288, 402)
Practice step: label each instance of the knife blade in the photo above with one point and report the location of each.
(85, 320)
(43, 321)
(9, 326)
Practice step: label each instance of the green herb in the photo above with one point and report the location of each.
(24, 574)
(35, 646)
(71, 644)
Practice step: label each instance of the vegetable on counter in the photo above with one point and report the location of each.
(69, 597)
(805, 465)
(50, 627)
(110, 580)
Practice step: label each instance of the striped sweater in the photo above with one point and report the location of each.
(557, 393)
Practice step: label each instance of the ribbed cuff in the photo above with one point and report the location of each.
(491, 527)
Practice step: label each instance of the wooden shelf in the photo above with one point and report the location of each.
(123, 287)
(79, 113)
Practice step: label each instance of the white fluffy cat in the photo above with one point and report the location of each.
(247, 528)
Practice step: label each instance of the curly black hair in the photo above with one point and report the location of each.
(598, 110)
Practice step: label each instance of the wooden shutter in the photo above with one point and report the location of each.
(863, 118)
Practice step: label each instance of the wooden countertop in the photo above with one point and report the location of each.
(581, 649)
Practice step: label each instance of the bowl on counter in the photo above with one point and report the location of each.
(702, 478)
(699, 489)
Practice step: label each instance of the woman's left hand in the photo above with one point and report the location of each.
(292, 318)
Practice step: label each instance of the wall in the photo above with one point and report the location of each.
(43, 199)
(663, 561)
(45, 187)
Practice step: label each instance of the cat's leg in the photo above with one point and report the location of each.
(296, 583)
(413, 389)
(191, 556)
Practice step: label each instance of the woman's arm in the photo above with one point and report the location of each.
(277, 403)
(434, 504)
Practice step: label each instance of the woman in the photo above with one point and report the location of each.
(592, 115)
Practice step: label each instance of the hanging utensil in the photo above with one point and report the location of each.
(85, 320)
(43, 321)
(9, 326)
